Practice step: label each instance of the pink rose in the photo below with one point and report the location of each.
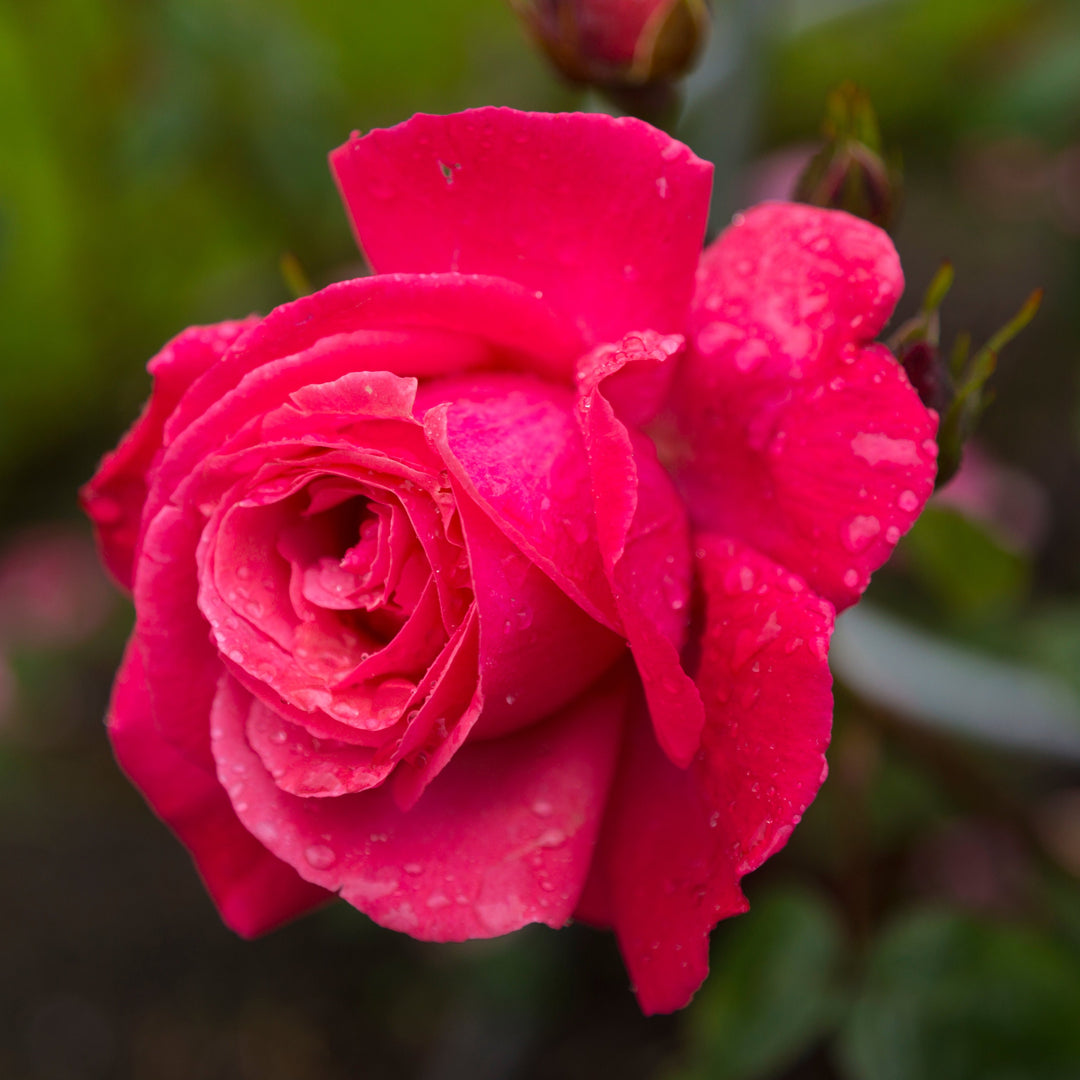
(389, 544)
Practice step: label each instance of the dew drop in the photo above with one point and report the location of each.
(319, 856)
(860, 531)
(738, 579)
(908, 502)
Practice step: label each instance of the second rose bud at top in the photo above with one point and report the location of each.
(618, 43)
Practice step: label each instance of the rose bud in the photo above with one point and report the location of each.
(413, 586)
(618, 43)
(850, 171)
(954, 387)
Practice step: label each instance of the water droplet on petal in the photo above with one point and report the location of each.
(319, 856)
(859, 532)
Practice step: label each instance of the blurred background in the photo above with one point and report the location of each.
(159, 157)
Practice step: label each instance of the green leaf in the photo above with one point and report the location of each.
(963, 564)
(774, 990)
(949, 997)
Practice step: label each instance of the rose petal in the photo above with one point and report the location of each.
(765, 680)
(800, 439)
(538, 649)
(180, 663)
(502, 839)
(676, 843)
(604, 217)
(460, 321)
(642, 532)
(253, 890)
(114, 498)
(307, 766)
(665, 873)
(514, 445)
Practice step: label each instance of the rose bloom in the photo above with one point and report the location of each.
(423, 617)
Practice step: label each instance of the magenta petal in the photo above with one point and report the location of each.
(799, 437)
(253, 890)
(538, 649)
(304, 765)
(479, 320)
(808, 278)
(180, 662)
(502, 838)
(677, 842)
(642, 531)
(514, 445)
(765, 680)
(604, 217)
(114, 498)
(662, 876)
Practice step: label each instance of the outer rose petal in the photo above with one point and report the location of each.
(253, 890)
(180, 662)
(114, 498)
(801, 439)
(502, 838)
(502, 320)
(604, 217)
(675, 843)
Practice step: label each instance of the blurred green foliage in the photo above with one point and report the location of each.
(159, 158)
(776, 990)
(954, 997)
(963, 566)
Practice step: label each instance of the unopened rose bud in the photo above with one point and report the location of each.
(926, 370)
(955, 386)
(618, 44)
(850, 171)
